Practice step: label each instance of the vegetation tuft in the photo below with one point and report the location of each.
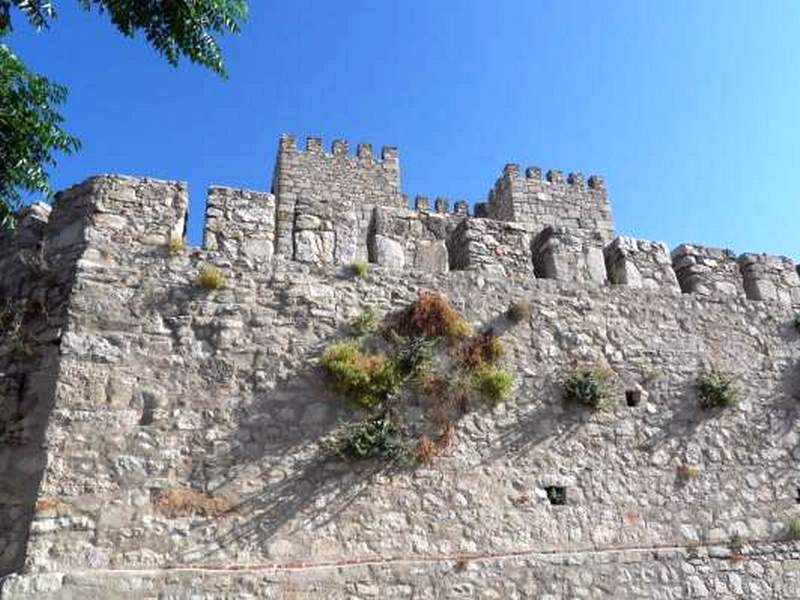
(797, 322)
(519, 312)
(210, 278)
(376, 437)
(176, 246)
(481, 349)
(587, 385)
(429, 316)
(492, 382)
(717, 389)
(364, 324)
(365, 379)
(792, 529)
(359, 269)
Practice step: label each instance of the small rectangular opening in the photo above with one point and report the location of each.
(556, 494)
(798, 496)
(633, 397)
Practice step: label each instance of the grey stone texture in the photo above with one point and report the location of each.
(707, 271)
(135, 383)
(770, 278)
(240, 223)
(641, 264)
(552, 201)
(568, 255)
(324, 201)
(491, 246)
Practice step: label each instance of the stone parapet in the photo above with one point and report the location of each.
(566, 255)
(707, 271)
(773, 278)
(491, 246)
(640, 264)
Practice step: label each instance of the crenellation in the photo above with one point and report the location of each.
(489, 246)
(555, 176)
(533, 173)
(160, 437)
(773, 278)
(641, 264)
(597, 183)
(575, 179)
(314, 144)
(287, 142)
(240, 223)
(566, 255)
(364, 152)
(707, 271)
(442, 205)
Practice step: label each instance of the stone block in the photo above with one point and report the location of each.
(564, 254)
(640, 264)
(491, 246)
(707, 271)
(770, 278)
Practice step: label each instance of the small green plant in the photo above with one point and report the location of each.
(519, 312)
(364, 324)
(797, 322)
(359, 269)
(376, 437)
(210, 278)
(717, 389)
(587, 386)
(366, 379)
(413, 354)
(492, 382)
(175, 245)
(792, 528)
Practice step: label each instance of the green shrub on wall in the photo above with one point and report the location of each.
(717, 389)
(492, 382)
(366, 379)
(375, 437)
(588, 386)
(210, 278)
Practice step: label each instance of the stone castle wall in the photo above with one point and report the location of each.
(138, 384)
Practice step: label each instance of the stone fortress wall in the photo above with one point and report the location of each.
(123, 382)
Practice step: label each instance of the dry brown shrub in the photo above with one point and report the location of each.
(429, 316)
(481, 349)
(425, 450)
(185, 502)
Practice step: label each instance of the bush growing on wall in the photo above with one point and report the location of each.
(587, 385)
(717, 389)
(366, 379)
(210, 278)
(375, 437)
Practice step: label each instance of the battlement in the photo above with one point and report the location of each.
(163, 432)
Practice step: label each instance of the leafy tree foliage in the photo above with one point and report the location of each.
(30, 131)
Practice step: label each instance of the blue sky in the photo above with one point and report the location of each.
(689, 108)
